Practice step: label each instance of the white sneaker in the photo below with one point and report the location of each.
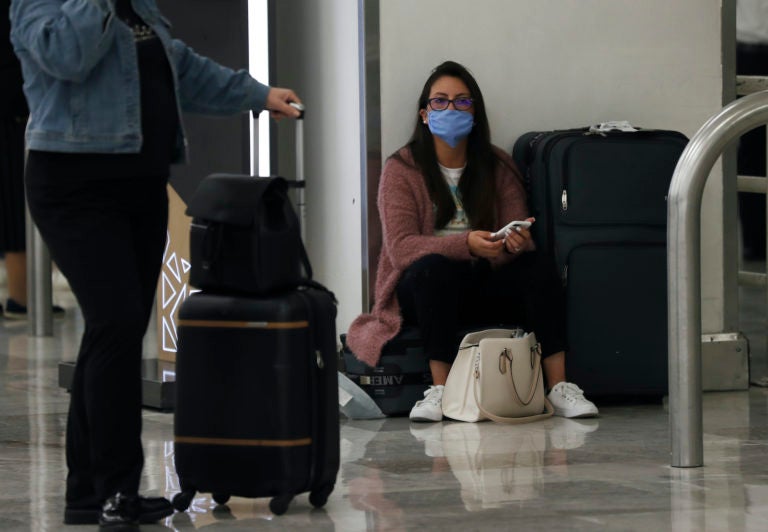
(431, 407)
(569, 401)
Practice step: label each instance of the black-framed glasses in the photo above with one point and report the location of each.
(441, 104)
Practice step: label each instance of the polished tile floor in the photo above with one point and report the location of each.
(610, 473)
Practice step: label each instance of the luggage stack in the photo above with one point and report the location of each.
(256, 367)
(599, 198)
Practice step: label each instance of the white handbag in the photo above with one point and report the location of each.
(497, 376)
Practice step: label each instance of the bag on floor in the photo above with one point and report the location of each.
(497, 375)
(400, 376)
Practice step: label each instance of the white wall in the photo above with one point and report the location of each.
(542, 64)
(317, 55)
(557, 63)
(554, 64)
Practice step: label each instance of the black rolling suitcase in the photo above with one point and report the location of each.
(599, 199)
(257, 397)
(257, 408)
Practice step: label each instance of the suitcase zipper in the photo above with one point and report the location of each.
(546, 141)
(557, 136)
(604, 243)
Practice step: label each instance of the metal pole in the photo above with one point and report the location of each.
(764, 277)
(684, 270)
(39, 285)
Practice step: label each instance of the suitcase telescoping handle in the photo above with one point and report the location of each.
(299, 183)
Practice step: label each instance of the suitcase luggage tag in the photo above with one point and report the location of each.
(615, 125)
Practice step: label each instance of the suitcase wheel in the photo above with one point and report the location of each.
(279, 505)
(319, 497)
(183, 499)
(221, 498)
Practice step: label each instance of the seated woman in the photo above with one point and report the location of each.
(440, 197)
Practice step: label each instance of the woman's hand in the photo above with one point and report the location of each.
(278, 103)
(481, 245)
(518, 240)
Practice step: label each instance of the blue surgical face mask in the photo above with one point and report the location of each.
(450, 125)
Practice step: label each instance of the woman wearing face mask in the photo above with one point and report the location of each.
(440, 197)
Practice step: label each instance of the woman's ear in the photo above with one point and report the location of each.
(423, 115)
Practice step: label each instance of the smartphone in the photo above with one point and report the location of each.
(511, 226)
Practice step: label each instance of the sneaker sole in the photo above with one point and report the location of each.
(421, 419)
(566, 414)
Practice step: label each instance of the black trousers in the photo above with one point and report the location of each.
(107, 236)
(443, 297)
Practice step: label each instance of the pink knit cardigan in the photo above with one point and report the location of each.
(408, 221)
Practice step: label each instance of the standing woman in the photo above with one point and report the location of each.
(440, 196)
(106, 85)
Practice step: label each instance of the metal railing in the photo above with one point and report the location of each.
(684, 269)
(39, 284)
(746, 85)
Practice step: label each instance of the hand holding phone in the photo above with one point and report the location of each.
(515, 225)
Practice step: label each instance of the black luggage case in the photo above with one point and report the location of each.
(257, 397)
(245, 236)
(400, 377)
(600, 205)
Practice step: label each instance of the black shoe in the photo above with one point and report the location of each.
(16, 311)
(151, 510)
(120, 512)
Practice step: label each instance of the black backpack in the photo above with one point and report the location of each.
(245, 236)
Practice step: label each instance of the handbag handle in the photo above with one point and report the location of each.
(548, 409)
(535, 360)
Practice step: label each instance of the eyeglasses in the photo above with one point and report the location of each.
(441, 104)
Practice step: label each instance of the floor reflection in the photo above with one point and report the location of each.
(610, 473)
(41, 434)
(495, 464)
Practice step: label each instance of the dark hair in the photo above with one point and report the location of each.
(477, 184)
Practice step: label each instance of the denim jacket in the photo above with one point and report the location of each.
(81, 76)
